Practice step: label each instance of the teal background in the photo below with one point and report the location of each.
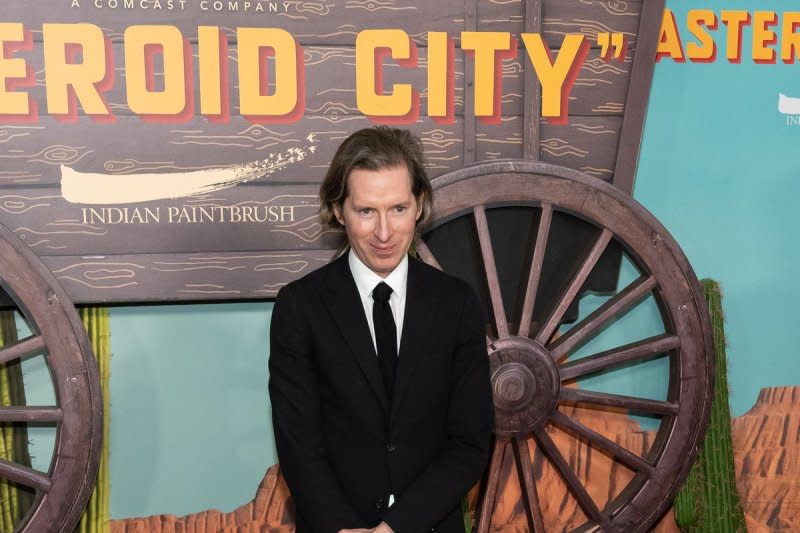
(719, 167)
(191, 428)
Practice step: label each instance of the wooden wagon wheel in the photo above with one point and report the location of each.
(62, 492)
(534, 370)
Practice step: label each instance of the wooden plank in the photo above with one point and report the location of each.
(638, 96)
(181, 277)
(560, 17)
(531, 90)
(588, 144)
(470, 24)
(310, 22)
(325, 23)
(280, 217)
(32, 154)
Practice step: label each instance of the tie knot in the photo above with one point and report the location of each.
(381, 292)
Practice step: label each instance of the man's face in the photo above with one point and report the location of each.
(379, 216)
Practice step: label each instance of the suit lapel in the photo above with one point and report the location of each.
(417, 322)
(344, 305)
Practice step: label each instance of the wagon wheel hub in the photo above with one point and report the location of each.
(525, 384)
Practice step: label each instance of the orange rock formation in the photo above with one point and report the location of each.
(766, 446)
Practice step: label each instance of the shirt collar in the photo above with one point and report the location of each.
(366, 279)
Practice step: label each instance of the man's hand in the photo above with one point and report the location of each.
(383, 527)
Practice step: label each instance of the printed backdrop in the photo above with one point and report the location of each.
(230, 207)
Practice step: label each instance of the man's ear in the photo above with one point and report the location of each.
(420, 204)
(337, 211)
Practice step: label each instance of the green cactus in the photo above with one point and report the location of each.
(95, 518)
(709, 502)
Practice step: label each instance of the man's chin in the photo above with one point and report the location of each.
(384, 265)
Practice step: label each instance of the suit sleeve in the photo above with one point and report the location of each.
(297, 422)
(463, 459)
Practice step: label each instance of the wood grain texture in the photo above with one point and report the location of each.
(321, 22)
(310, 22)
(31, 155)
(281, 217)
(34, 153)
(176, 277)
(638, 96)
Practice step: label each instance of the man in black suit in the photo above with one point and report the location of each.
(379, 378)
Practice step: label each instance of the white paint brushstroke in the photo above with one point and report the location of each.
(788, 105)
(100, 188)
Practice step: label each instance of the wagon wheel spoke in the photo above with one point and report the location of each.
(575, 285)
(535, 272)
(491, 271)
(613, 308)
(24, 476)
(491, 486)
(424, 252)
(570, 479)
(623, 455)
(23, 348)
(631, 403)
(528, 485)
(618, 356)
(31, 414)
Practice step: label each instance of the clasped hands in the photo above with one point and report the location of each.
(383, 527)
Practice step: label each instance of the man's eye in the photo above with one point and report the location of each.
(400, 208)
(365, 211)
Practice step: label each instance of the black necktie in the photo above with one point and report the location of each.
(385, 333)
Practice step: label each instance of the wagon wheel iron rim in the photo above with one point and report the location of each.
(57, 334)
(529, 365)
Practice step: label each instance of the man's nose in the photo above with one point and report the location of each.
(383, 230)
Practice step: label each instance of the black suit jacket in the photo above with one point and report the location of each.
(341, 447)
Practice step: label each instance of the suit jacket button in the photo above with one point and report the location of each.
(379, 504)
(390, 447)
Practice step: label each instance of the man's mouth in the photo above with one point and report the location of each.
(383, 250)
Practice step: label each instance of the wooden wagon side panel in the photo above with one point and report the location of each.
(600, 136)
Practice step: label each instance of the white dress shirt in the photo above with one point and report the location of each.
(366, 280)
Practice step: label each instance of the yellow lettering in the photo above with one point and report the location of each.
(763, 37)
(484, 45)
(369, 99)
(698, 20)
(790, 39)
(209, 52)
(669, 42)
(12, 103)
(172, 99)
(438, 74)
(734, 20)
(253, 100)
(553, 76)
(82, 77)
